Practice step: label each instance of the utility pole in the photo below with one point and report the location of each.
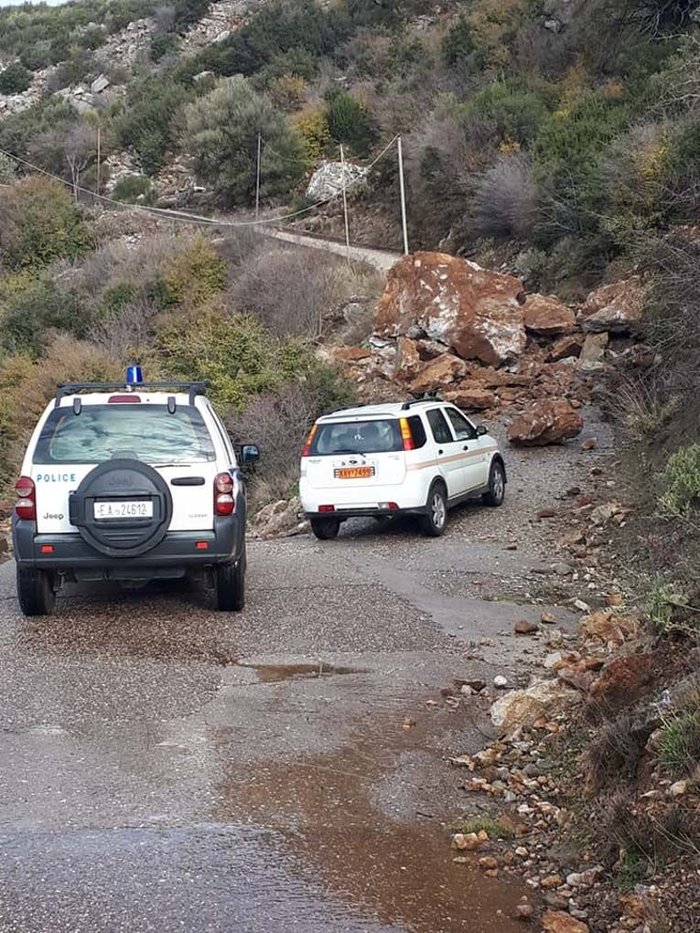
(345, 203)
(257, 178)
(402, 185)
(99, 152)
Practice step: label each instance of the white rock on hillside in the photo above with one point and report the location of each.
(327, 181)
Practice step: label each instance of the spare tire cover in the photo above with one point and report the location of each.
(118, 481)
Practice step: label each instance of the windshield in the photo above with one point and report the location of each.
(357, 437)
(141, 432)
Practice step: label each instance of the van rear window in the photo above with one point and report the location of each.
(142, 432)
(357, 437)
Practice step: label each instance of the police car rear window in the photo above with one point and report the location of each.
(144, 432)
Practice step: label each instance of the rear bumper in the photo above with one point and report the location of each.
(177, 550)
(342, 514)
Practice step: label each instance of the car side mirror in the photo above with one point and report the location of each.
(481, 429)
(250, 453)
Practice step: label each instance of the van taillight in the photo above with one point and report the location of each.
(306, 452)
(224, 500)
(406, 436)
(25, 506)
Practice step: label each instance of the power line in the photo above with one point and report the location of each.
(195, 218)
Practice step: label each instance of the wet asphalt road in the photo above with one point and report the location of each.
(164, 767)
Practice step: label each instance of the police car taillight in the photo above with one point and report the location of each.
(25, 506)
(224, 500)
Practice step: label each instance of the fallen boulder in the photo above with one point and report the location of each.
(559, 921)
(616, 308)
(545, 422)
(546, 316)
(524, 707)
(327, 181)
(473, 311)
(437, 374)
(471, 397)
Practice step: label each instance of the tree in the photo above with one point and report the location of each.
(349, 122)
(222, 137)
(66, 150)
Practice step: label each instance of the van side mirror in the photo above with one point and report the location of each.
(250, 453)
(481, 429)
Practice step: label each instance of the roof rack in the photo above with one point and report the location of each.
(421, 401)
(65, 389)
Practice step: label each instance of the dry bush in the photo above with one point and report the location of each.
(238, 247)
(130, 333)
(26, 387)
(278, 422)
(116, 263)
(505, 204)
(111, 225)
(616, 749)
(294, 292)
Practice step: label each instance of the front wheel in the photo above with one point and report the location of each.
(325, 528)
(36, 592)
(497, 486)
(434, 521)
(229, 583)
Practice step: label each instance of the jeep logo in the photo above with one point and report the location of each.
(54, 517)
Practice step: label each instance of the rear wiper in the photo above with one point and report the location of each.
(346, 450)
(173, 463)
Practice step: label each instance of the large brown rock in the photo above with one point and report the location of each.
(559, 921)
(623, 680)
(471, 397)
(547, 316)
(408, 361)
(437, 374)
(547, 421)
(617, 308)
(469, 309)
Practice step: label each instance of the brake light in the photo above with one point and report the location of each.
(326, 508)
(306, 452)
(124, 399)
(406, 436)
(224, 500)
(25, 507)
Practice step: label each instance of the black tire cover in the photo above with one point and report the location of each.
(117, 480)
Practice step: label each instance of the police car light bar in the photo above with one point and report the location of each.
(134, 376)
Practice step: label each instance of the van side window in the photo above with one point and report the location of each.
(463, 430)
(417, 431)
(439, 427)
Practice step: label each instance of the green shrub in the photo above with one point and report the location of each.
(195, 274)
(682, 481)
(350, 123)
(33, 308)
(15, 79)
(515, 113)
(39, 222)
(133, 188)
(8, 170)
(148, 125)
(458, 49)
(162, 45)
(679, 743)
(222, 137)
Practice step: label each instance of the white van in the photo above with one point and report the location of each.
(420, 457)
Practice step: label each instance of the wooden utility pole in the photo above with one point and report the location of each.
(257, 178)
(345, 202)
(402, 186)
(99, 153)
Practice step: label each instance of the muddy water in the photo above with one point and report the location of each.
(399, 872)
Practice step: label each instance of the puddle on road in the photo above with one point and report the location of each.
(274, 673)
(401, 873)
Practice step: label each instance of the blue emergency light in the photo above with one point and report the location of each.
(134, 376)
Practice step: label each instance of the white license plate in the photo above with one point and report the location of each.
(124, 509)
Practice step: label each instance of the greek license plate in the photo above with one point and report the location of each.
(124, 509)
(363, 472)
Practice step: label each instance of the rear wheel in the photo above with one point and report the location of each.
(325, 528)
(229, 583)
(434, 521)
(497, 486)
(36, 592)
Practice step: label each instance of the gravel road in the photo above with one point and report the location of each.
(168, 768)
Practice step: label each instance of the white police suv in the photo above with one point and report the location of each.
(130, 482)
(420, 457)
